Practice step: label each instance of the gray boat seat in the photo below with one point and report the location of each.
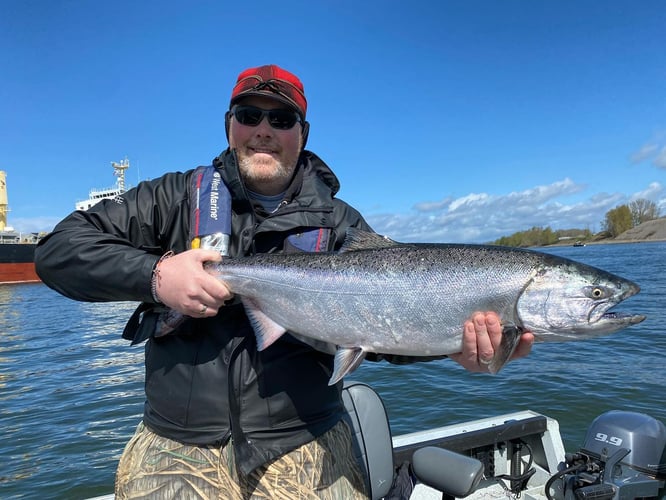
(454, 474)
(366, 416)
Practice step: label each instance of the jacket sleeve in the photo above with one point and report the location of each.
(108, 252)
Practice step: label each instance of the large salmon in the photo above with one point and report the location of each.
(377, 295)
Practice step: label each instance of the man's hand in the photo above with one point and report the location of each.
(184, 285)
(482, 335)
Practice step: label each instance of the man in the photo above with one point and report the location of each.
(222, 419)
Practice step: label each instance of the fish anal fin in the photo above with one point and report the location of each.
(265, 329)
(510, 339)
(346, 361)
(357, 239)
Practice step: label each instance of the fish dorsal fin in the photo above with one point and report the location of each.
(266, 330)
(357, 239)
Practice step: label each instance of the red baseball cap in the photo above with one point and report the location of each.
(271, 81)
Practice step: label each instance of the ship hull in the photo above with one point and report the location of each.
(17, 263)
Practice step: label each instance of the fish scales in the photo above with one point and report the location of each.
(378, 298)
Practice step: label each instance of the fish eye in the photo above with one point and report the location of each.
(596, 292)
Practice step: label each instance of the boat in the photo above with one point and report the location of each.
(17, 250)
(97, 195)
(513, 455)
(579, 244)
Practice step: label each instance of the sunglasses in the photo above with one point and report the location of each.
(281, 119)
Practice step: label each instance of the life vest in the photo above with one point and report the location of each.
(210, 211)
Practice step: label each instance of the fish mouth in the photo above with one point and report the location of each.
(610, 322)
(603, 324)
(622, 317)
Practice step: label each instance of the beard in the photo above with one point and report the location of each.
(266, 173)
(259, 169)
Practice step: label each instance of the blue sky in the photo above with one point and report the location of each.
(458, 121)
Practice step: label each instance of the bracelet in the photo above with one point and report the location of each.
(155, 278)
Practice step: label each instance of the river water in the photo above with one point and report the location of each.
(71, 390)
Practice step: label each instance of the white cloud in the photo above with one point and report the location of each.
(473, 200)
(653, 192)
(544, 193)
(481, 217)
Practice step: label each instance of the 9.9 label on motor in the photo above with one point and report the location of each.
(604, 438)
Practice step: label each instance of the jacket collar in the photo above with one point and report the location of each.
(313, 181)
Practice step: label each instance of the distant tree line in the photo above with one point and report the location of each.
(624, 217)
(617, 221)
(542, 236)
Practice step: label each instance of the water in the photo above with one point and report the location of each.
(71, 390)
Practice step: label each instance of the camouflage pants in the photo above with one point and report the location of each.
(156, 467)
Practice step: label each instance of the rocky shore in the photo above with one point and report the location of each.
(653, 230)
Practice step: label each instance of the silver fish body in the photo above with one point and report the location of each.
(380, 296)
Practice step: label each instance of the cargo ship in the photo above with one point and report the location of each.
(17, 249)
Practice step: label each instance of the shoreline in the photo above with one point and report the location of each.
(609, 241)
(650, 231)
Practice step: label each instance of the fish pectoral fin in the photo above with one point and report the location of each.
(510, 339)
(346, 361)
(265, 329)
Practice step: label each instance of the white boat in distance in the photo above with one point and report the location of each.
(97, 195)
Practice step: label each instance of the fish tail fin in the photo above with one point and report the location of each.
(266, 330)
(346, 361)
(510, 339)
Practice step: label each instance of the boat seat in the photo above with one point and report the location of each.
(367, 418)
(454, 474)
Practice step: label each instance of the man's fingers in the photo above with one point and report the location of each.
(494, 328)
(485, 348)
(207, 255)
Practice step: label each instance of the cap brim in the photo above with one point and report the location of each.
(271, 95)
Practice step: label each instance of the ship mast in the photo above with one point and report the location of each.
(119, 171)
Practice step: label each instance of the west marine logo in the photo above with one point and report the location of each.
(214, 195)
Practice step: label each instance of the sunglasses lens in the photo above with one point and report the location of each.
(282, 119)
(248, 115)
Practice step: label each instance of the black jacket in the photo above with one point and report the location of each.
(207, 381)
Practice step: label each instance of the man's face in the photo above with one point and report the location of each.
(266, 156)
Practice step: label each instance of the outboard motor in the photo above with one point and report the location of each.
(623, 457)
